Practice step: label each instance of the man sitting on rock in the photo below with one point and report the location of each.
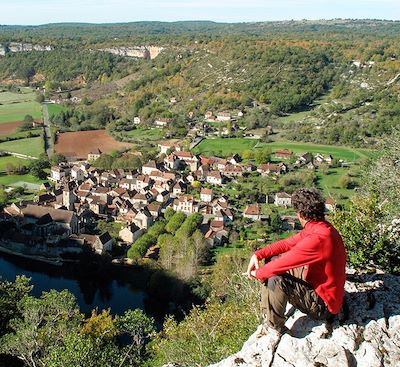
(307, 270)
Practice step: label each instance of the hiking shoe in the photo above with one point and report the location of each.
(267, 330)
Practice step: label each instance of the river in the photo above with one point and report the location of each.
(90, 291)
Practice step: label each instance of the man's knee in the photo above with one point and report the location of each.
(274, 282)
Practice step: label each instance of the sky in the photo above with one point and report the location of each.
(34, 12)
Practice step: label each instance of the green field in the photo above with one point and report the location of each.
(22, 134)
(345, 153)
(19, 180)
(32, 146)
(12, 160)
(145, 134)
(224, 147)
(227, 146)
(330, 183)
(26, 95)
(17, 111)
(54, 109)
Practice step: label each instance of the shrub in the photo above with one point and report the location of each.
(367, 236)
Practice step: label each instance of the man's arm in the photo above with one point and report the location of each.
(279, 247)
(307, 251)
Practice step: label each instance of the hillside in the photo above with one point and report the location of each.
(340, 74)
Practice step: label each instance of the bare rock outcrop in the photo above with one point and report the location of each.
(365, 334)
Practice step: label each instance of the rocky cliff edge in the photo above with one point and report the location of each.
(365, 334)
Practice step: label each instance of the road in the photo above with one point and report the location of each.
(48, 144)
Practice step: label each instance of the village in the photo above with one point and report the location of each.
(59, 222)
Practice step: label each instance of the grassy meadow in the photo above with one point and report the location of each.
(31, 146)
(54, 109)
(339, 152)
(224, 147)
(145, 134)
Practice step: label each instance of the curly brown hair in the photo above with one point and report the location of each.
(309, 203)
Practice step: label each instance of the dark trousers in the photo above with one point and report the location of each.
(290, 287)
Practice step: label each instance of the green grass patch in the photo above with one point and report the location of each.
(32, 146)
(4, 161)
(145, 134)
(230, 250)
(26, 95)
(339, 152)
(10, 180)
(17, 111)
(294, 117)
(330, 183)
(55, 109)
(21, 134)
(224, 147)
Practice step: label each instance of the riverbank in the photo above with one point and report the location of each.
(51, 261)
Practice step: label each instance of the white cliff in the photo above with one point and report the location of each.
(145, 52)
(13, 47)
(366, 334)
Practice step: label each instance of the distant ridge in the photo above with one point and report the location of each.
(129, 30)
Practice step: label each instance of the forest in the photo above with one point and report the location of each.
(282, 68)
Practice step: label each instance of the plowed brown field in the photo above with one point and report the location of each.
(79, 144)
(9, 127)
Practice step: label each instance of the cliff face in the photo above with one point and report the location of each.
(145, 52)
(22, 47)
(367, 334)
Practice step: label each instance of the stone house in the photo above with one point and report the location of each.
(162, 122)
(100, 244)
(283, 199)
(271, 168)
(223, 116)
(57, 173)
(252, 212)
(143, 219)
(214, 178)
(185, 204)
(283, 154)
(206, 195)
(233, 171)
(49, 221)
(94, 154)
(130, 233)
(77, 173)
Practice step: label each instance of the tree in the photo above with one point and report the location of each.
(100, 326)
(139, 327)
(196, 184)
(168, 249)
(28, 119)
(200, 248)
(175, 222)
(169, 212)
(39, 97)
(83, 351)
(57, 158)
(38, 166)
(263, 155)
(11, 293)
(247, 154)
(43, 323)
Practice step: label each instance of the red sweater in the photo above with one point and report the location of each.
(320, 248)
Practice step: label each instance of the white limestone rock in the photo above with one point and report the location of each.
(366, 333)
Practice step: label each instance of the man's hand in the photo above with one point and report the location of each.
(252, 267)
